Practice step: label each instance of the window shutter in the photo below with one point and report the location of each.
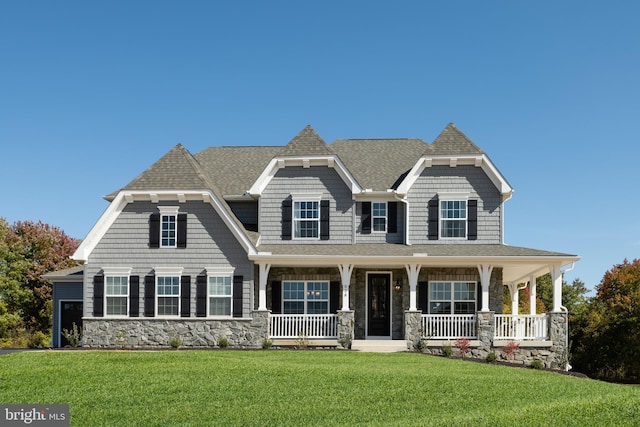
(201, 296)
(154, 230)
(334, 297)
(479, 291)
(366, 218)
(276, 297)
(150, 295)
(423, 297)
(392, 217)
(433, 219)
(237, 296)
(181, 238)
(185, 296)
(324, 220)
(472, 219)
(286, 219)
(98, 295)
(134, 296)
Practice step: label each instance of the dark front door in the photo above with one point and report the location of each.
(379, 305)
(70, 313)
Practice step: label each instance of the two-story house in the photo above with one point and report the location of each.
(360, 239)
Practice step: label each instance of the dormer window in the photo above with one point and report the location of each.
(453, 219)
(379, 216)
(306, 219)
(168, 228)
(168, 222)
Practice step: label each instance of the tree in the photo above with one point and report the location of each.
(610, 343)
(27, 251)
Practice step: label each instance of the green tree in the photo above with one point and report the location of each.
(27, 251)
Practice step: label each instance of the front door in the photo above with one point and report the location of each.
(379, 305)
(70, 313)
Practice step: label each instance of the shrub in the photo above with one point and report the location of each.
(510, 349)
(463, 344)
(266, 344)
(175, 342)
(73, 336)
(223, 342)
(302, 342)
(447, 351)
(536, 364)
(492, 357)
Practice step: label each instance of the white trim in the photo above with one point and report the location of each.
(453, 197)
(312, 199)
(390, 293)
(170, 210)
(168, 271)
(116, 271)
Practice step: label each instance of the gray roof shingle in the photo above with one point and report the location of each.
(452, 141)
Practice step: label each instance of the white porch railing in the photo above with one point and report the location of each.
(307, 325)
(521, 326)
(449, 326)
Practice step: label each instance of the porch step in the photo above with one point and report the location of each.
(379, 346)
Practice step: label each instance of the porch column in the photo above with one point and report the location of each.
(413, 270)
(262, 285)
(556, 279)
(513, 289)
(532, 294)
(485, 278)
(345, 275)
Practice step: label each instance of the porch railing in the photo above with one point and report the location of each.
(449, 326)
(307, 325)
(521, 326)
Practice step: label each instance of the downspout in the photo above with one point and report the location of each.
(406, 217)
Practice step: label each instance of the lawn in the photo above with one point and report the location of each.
(280, 387)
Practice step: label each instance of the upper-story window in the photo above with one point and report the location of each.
(306, 219)
(379, 216)
(453, 219)
(168, 228)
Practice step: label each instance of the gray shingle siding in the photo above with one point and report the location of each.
(438, 179)
(378, 237)
(298, 180)
(209, 244)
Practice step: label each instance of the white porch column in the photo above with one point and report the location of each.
(556, 280)
(262, 285)
(485, 278)
(532, 295)
(345, 275)
(513, 288)
(413, 270)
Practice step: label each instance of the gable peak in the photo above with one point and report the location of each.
(452, 141)
(306, 143)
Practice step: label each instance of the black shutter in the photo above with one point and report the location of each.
(276, 297)
(433, 219)
(237, 295)
(366, 218)
(423, 297)
(286, 219)
(154, 230)
(150, 295)
(181, 238)
(334, 297)
(185, 296)
(98, 295)
(324, 220)
(472, 219)
(201, 296)
(479, 307)
(134, 296)
(392, 217)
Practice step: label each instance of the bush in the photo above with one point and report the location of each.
(510, 350)
(223, 342)
(463, 344)
(536, 364)
(447, 351)
(267, 344)
(175, 342)
(492, 357)
(73, 336)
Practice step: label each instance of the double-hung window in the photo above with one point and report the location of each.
(305, 297)
(168, 291)
(453, 219)
(379, 211)
(116, 295)
(452, 297)
(168, 226)
(220, 294)
(306, 219)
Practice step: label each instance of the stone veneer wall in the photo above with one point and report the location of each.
(192, 332)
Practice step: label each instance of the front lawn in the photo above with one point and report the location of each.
(280, 387)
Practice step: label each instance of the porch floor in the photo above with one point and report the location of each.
(379, 346)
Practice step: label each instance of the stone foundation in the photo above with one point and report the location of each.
(346, 324)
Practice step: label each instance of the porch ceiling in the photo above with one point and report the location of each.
(517, 263)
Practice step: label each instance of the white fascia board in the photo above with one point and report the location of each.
(481, 161)
(125, 197)
(278, 163)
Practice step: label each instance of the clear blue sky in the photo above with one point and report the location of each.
(92, 93)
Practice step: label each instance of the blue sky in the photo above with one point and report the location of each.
(91, 94)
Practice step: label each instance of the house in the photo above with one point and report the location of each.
(357, 240)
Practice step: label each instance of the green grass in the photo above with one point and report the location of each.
(182, 388)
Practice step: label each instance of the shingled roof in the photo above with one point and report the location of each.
(451, 142)
(306, 143)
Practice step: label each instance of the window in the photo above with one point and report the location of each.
(168, 295)
(301, 297)
(168, 226)
(379, 216)
(306, 219)
(117, 295)
(220, 295)
(452, 297)
(453, 218)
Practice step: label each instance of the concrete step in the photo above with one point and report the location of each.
(379, 346)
